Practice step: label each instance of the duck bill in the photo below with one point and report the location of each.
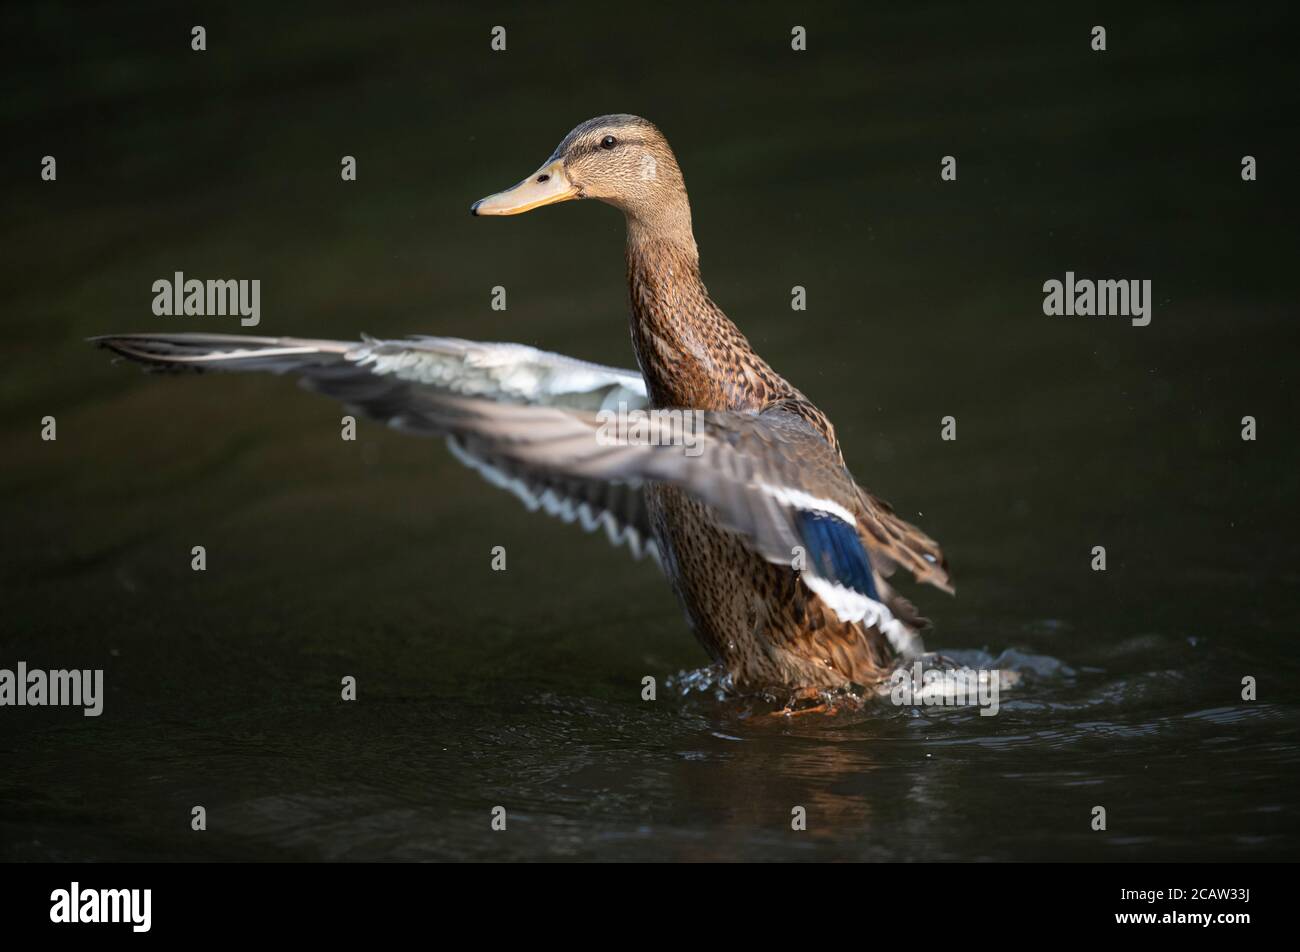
(547, 186)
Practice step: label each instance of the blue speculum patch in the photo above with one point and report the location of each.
(836, 552)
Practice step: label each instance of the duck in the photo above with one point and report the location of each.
(705, 458)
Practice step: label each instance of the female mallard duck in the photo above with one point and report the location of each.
(778, 556)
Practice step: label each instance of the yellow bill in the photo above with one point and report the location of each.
(546, 186)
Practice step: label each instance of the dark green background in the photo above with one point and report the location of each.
(522, 688)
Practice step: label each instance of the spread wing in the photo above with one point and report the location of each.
(578, 440)
(400, 381)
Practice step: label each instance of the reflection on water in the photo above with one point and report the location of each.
(523, 688)
(413, 777)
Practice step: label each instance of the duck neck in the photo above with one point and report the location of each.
(690, 353)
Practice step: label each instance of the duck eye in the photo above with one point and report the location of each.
(608, 142)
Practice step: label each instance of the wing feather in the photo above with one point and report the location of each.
(544, 427)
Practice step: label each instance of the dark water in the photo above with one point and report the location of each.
(522, 688)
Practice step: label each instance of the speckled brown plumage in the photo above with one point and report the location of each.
(753, 617)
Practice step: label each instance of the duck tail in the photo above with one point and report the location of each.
(893, 541)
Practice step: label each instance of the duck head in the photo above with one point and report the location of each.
(621, 160)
